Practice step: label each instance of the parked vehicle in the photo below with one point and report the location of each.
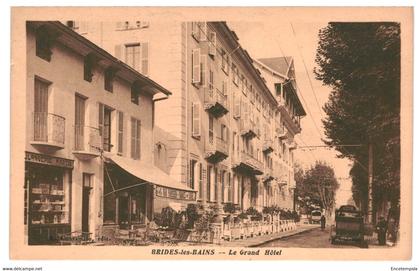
(315, 217)
(349, 225)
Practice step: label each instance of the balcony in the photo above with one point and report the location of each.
(247, 164)
(268, 146)
(216, 150)
(248, 128)
(268, 174)
(49, 131)
(215, 102)
(281, 133)
(292, 146)
(87, 142)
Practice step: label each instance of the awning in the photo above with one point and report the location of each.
(147, 172)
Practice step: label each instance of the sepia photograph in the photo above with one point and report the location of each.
(211, 133)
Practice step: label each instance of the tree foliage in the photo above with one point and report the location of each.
(316, 186)
(361, 62)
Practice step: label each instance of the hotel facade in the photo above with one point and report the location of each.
(89, 155)
(228, 130)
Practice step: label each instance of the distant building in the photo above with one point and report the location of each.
(89, 155)
(223, 130)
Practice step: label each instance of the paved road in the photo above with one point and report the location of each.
(311, 239)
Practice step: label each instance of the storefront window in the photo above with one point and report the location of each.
(109, 202)
(48, 200)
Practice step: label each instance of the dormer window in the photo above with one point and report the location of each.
(43, 44)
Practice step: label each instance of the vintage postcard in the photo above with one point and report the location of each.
(235, 133)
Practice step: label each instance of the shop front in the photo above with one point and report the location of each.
(47, 197)
(133, 192)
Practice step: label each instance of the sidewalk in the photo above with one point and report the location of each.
(259, 240)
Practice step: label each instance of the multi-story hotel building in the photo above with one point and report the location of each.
(89, 139)
(279, 73)
(223, 130)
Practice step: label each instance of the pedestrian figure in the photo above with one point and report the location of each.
(323, 222)
(381, 228)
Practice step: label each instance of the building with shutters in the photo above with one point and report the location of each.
(222, 131)
(89, 157)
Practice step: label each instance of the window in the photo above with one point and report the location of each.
(229, 188)
(105, 126)
(43, 44)
(88, 68)
(109, 79)
(209, 169)
(212, 43)
(196, 123)
(235, 76)
(135, 138)
(211, 132)
(224, 133)
(200, 181)
(132, 56)
(136, 56)
(223, 185)
(40, 110)
(196, 30)
(196, 67)
(135, 95)
(120, 132)
(192, 173)
(225, 61)
(79, 123)
(211, 79)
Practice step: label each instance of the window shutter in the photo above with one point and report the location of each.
(118, 51)
(211, 82)
(212, 43)
(100, 118)
(237, 106)
(145, 58)
(196, 120)
(196, 66)
(138, 134)
(120, 131)
(203, 69)
(133, 138)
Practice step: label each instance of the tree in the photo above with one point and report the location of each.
(317, 186)
(361, 62)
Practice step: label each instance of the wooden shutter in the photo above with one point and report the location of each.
(118, 51)
(203, 69)
(237, 106)
(212, 43)
(196, 129)
(145, 58)
(100, 118)
(120, 131)
(133, 138)
(196, 67)
(138, 137)
(211, 82)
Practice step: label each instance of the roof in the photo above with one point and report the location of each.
(82, 45)
(280, 65)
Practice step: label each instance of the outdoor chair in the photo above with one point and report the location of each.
(75, 238)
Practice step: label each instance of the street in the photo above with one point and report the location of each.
(310, 239)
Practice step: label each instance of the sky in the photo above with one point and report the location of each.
(299, 39)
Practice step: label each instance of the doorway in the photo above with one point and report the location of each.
(87, 187)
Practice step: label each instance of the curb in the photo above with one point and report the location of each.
(281, 237)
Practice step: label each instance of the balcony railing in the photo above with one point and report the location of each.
(217, 149)
(215, 102)
(87, 141)
(247, 163)
(49, 130)
(248, 128)
(268, 146)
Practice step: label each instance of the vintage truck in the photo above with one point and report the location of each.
(349, 225)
